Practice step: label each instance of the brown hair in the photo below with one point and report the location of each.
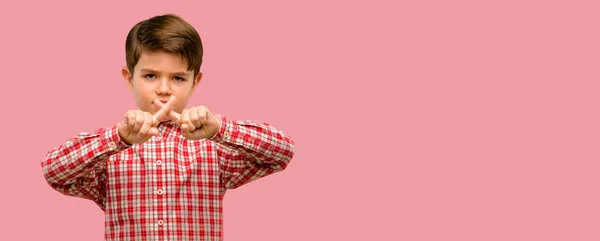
(169, 33)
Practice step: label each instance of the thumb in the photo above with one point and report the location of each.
(155, 121)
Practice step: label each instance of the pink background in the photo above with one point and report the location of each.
(436, 120)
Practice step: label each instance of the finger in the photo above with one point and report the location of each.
(166, 109)
(130, 120)
(155, 121)
(203, 115)
(153, 131)
(139, 121)
(148, 122)
(195, 121)
(185, 131)
(163, 109)
(175, 116)
(185, 119)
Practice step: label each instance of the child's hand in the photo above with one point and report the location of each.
(139, 126)
(196, 123)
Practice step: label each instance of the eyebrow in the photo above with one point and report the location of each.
(153, 71)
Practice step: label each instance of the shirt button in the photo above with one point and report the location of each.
(159, 192)
(159, 162)
(112, 144)
(160, 222)
(158, 138)
(226, 134)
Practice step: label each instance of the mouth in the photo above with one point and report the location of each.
(164, 101)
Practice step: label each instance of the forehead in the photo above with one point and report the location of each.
(162, 62)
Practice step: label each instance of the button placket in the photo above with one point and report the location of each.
(159, 192)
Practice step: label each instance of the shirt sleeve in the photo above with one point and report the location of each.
(78, 167)
(249, 150)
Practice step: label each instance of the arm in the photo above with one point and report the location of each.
(249, 150)
(78, 167)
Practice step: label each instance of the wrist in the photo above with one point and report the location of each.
(219, 127)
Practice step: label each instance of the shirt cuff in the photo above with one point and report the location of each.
(114, 139)
(224, 132)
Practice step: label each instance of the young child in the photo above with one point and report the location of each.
(161, 173)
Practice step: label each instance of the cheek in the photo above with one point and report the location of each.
(182, 102)
(143, 87)
(143, 92)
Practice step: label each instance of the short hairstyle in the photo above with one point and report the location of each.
(169, 33)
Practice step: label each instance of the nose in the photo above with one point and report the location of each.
(163, 87)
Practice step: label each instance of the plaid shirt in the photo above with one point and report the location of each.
(168, 188)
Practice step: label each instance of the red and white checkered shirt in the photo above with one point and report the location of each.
(168, 188)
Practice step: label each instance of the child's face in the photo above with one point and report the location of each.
(159, 75)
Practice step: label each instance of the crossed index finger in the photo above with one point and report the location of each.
(166, 108)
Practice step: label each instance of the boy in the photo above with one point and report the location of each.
(161, 173)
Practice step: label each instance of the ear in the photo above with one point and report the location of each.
(128, 77)
(197, 81)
